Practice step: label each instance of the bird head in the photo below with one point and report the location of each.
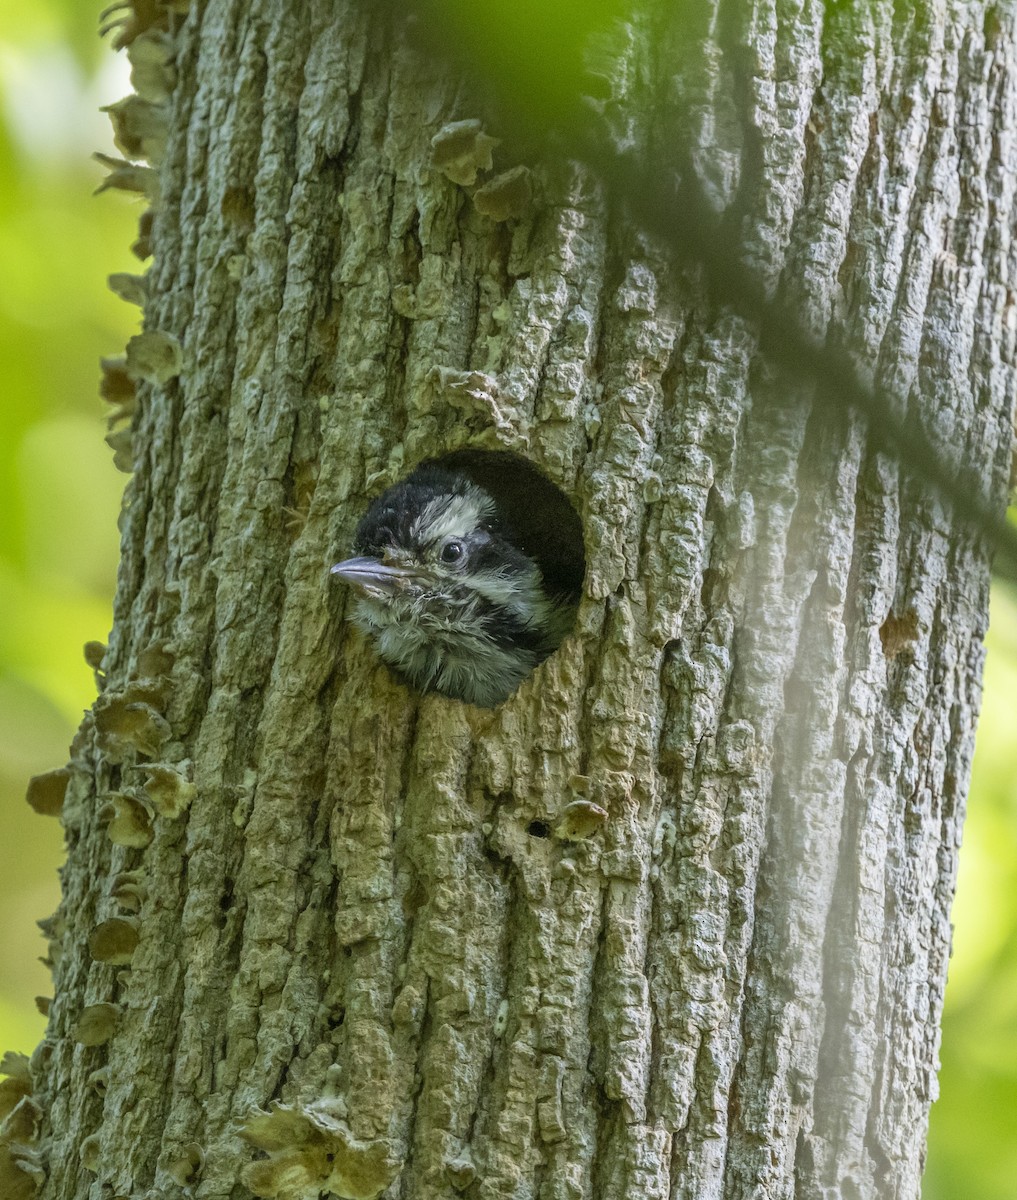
(451, 600)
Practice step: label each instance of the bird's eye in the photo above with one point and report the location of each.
(452, 551)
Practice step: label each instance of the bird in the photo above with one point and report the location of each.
(467, 574)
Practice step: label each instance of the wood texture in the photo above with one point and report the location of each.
(380, 911)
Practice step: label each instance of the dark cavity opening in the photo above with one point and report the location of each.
(504, 568)
(539, 829)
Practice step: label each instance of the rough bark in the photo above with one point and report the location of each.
(376, 917)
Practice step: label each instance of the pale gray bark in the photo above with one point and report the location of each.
(376, 909)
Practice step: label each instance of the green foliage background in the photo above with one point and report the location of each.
(59, 500)
(59, 493)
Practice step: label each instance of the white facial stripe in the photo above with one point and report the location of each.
(452, 516)
(519, 594)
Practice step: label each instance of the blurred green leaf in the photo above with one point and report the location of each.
(20, 1028)
(536, 54)
(65, 479)
(66, 22)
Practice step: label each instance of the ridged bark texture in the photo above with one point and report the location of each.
(374, 917)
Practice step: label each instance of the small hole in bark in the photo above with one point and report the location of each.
(237, 207)
(539, 829)
(899, 633)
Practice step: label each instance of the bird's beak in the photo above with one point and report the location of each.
(369, 575)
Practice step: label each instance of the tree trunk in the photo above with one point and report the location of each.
(673, 921)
